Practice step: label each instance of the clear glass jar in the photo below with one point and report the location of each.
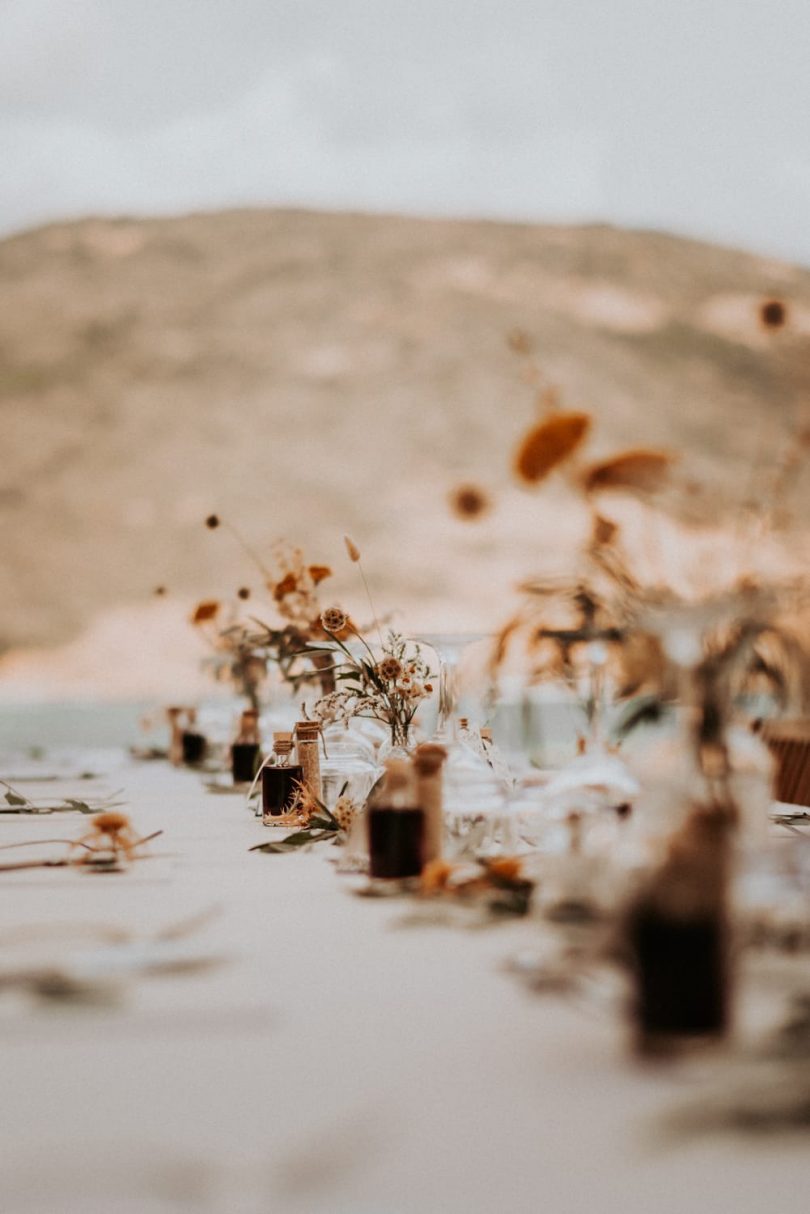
(347, 766)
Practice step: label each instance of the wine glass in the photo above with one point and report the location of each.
(448, 647)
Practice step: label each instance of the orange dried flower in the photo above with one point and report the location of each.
(287, 585)
(319, 572)
(550, 443)
(435, 876)
(207, 610)
(507, 868)
(639, 471)
(468, 501)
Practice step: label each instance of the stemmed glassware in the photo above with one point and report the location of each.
(473, 793)
(448, 647)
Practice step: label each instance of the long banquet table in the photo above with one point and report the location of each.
(330, 1059)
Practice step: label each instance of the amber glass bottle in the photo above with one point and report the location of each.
(194, 744)
(396, 825)
(246, 754)
(678, 938)
(281, 779)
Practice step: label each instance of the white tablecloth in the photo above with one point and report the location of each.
(334, 1062)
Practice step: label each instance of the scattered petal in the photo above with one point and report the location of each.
(550, 443)
(207, 610)
(639, 471)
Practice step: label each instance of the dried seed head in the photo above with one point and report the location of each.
(352, 549)
(212, 522)
(243, 592)
(334, 619)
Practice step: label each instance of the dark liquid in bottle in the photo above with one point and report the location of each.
(396, 841)
(279, 788)
(245, 759)
(194, 747)
(682, 976)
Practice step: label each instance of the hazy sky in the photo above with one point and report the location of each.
(692, 115)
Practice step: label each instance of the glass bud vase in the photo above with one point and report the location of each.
(399, 744)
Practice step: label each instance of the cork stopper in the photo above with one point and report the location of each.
(485, 733)
(307, 731)
(428, 758)
(464, 722)
(398, 774)
(282, 743)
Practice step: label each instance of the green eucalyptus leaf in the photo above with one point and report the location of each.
(323, 821)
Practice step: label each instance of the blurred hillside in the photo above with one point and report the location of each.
(307, 375)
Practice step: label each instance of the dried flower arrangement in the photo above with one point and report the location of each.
(387, 686)
(110, 840)
(313, 823)
(499, 884)
(242, 649)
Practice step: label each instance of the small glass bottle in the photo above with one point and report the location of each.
(307, 744)
(193, 742)
(246, 754)
(281, 779)
(396, 825)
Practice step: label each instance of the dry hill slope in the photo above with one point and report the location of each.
(309, 374)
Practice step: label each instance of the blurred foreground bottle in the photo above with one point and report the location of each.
(677, 936)
(396, 825)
